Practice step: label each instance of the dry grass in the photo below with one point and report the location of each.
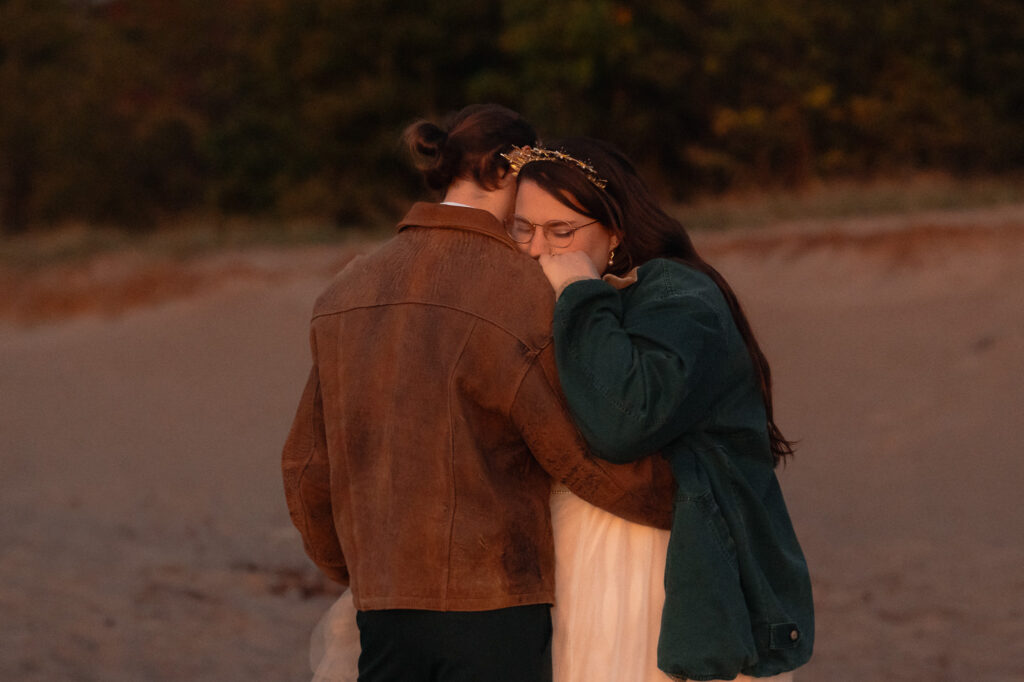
(80, 269)
(115, 281)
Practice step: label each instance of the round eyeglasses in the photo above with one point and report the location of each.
(558, 233)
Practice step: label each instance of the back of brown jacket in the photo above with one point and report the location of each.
(419, 465)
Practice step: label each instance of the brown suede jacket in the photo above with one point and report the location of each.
(420, 462)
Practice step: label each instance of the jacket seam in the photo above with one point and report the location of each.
(460, 228)
(470, 313)
(302, 474)
(527, 366)
(453, 493)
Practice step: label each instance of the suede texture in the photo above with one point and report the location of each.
(419, 465)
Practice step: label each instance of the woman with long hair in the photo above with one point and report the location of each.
(656, 358)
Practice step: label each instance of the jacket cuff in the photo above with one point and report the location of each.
(572, 280)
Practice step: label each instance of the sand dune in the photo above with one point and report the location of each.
(143, 404)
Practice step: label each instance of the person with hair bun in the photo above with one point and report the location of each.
(419, 466)
(463, 160)
(658, 361)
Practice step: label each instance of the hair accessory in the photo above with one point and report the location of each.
(520, 156)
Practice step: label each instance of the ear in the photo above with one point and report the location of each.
(506, 178)
(614, 242)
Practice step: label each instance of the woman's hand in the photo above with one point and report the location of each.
(562, 269)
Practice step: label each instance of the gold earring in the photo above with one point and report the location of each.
(611, 257)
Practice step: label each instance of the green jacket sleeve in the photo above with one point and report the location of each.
(639, 367)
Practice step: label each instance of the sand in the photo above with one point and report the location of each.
(144, 401)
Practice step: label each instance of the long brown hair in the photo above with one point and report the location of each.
(468, 145)
(626, 207)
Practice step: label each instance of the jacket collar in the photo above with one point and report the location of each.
(425, 214)
(627, 280)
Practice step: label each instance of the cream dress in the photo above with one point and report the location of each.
(609, 588)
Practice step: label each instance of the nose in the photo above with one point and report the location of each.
(538, 243)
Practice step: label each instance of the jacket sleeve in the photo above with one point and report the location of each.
(634, 387)
(307, 490)
(641, 492)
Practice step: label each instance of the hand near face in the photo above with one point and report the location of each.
(562, 269)
(580, 254)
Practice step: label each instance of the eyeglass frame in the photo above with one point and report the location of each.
(545, 229)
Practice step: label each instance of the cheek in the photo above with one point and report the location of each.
(597, 246)
(599, 255)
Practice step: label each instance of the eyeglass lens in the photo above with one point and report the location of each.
(557, 232)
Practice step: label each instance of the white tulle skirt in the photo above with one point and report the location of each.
(334, 646)
(609, 589)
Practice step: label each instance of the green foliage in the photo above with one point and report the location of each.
(128, 112)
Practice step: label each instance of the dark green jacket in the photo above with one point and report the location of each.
(660, 366)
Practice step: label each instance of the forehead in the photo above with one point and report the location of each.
(539, 206)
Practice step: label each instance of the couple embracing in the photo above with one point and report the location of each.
(537, 439)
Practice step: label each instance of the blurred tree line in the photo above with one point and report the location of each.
(132, 112)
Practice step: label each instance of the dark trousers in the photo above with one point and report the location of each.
(505, 645)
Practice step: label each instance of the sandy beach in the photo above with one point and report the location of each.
(144, 402)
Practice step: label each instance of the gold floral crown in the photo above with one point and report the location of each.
(520, 156)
